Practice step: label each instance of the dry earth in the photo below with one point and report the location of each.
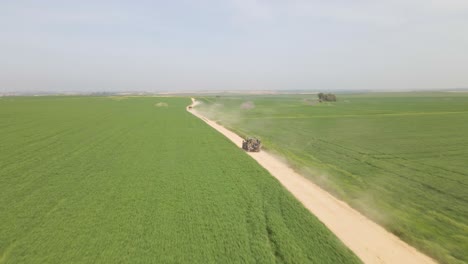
(369, 241)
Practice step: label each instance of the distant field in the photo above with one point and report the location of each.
(140, 180)
(400, 158)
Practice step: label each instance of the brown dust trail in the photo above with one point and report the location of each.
(369, 241)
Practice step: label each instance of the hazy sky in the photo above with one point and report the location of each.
(92, 45)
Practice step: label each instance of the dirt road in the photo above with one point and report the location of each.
(369, 241)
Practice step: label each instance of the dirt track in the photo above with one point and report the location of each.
(369, 241)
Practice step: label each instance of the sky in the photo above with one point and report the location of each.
(104, 46)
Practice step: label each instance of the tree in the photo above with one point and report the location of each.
(327, 97)
(320, 96)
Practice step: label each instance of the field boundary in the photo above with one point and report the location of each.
(369, 241)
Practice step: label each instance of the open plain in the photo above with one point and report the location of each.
(141, 180)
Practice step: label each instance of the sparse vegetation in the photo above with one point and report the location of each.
(99, 180)
(400, 158)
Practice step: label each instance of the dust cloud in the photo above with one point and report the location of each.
(247, 105)
(370, 242)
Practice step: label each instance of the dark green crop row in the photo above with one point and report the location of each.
(125, 180)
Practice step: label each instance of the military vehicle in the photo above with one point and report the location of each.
(252, 144)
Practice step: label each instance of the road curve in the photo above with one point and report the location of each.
(369, 241)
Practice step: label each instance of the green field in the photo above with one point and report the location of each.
(400, 158)
(121, 180)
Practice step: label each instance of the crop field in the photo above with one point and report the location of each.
(140, 180)
(400, 158)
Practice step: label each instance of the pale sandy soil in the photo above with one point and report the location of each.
(369, 241)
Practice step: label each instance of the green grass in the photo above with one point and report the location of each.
(400, 158)
(100, 180)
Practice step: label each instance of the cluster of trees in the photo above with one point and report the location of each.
(327, 97)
